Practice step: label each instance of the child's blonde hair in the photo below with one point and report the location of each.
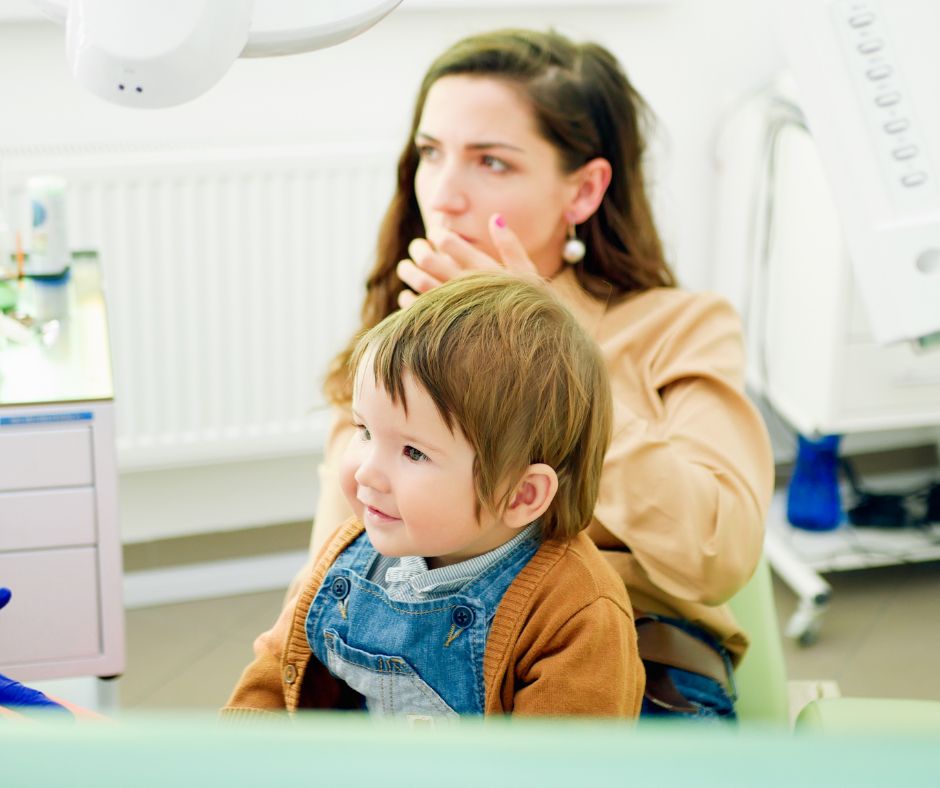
(509, 365)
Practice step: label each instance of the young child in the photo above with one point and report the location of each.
(464, 584)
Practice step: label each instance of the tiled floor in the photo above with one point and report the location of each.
(880, 638)
(189, 656)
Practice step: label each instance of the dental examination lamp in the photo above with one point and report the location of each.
(159, 53)
(868, 75)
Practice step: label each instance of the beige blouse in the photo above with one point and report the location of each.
(689, 473)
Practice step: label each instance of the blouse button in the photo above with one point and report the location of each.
(462, 616)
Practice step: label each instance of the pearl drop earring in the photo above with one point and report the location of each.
(574, 249)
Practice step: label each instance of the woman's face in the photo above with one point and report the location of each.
(479, 154)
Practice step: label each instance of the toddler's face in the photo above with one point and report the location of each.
(410, 480)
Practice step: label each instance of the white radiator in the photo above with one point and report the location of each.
(232, 276)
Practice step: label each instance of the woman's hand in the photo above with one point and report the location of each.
(446, 256)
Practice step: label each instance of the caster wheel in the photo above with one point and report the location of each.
(804, 626)
(808, 637)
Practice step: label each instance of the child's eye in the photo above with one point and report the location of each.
(493, 164)
(415, 455)
(364, 433)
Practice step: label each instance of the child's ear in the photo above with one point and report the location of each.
(534, 492)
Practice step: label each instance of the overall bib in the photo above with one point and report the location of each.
(408, 658)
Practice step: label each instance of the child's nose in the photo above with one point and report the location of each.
(369, 473)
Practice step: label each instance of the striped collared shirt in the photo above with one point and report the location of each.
(408, 579)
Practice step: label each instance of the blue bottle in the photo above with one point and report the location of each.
(813, 499)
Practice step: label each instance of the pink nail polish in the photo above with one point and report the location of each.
(499, 221)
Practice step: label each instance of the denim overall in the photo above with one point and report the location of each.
(420, 659)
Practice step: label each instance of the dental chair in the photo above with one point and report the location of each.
(761, 681)
(761, 678)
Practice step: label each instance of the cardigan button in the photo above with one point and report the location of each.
(290, 674)
(462, 616)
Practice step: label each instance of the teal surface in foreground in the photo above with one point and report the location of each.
(333, 749)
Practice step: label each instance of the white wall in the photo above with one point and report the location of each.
(690, 58)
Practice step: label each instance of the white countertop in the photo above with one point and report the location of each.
(75, 364)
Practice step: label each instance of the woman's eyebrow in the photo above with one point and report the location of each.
(473, 145)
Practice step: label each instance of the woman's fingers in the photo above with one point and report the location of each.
(433, 260)
(416, 278)
(463, 253)
(510, 248)
(406, 298)
(447, 255)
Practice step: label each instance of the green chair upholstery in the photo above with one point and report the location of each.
(864, 715)
(761, 677)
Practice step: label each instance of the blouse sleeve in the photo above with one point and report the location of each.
(332, 509)
(686, 486)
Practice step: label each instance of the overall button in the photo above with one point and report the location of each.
(339, 588)
(462, 616)
(290, 674)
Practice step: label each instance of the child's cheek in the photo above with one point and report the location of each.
(347, 476)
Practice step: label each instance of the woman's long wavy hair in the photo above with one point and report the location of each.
(586, 107)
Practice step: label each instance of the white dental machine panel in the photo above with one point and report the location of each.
(868, 76)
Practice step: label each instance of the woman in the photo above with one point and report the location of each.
(526, 152)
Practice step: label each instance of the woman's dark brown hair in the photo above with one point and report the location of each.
(585, 106)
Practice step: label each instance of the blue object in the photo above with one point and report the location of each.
(13, 694)
(813, 499)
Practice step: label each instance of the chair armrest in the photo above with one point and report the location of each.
(859, 715)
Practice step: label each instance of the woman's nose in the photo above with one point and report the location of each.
(449, 193)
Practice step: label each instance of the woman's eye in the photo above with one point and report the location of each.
(415, 455)
(494, 164)
(428, 153)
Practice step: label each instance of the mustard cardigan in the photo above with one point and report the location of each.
(562, 642)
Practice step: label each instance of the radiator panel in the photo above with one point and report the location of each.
(232, 278)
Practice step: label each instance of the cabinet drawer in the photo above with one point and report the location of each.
(45, 458)
(53, 614)
(47, 518)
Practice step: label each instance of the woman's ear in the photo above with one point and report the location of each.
(592, 181)
(534, 492)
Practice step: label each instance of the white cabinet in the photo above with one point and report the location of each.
(60, 549)
(53, 617)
